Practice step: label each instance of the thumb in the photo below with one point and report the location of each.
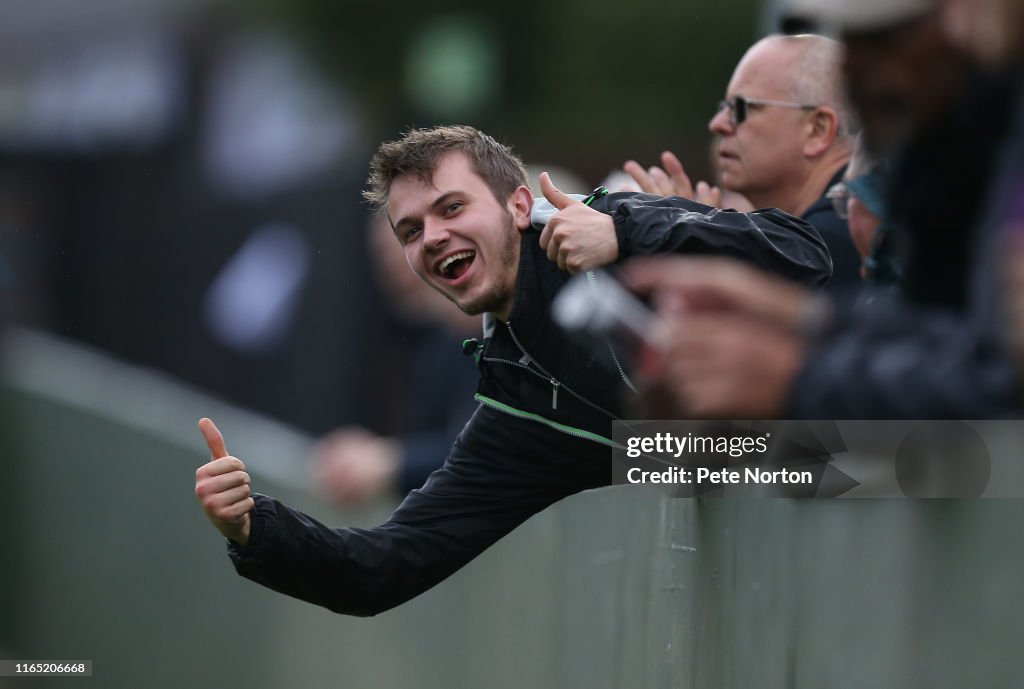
(553, 194)
(214, 439)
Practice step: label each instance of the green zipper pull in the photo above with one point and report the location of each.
(472, 347)
(596, 194)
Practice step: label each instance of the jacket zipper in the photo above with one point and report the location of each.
(555, 383)
(592, 278)
(540, 372)
(622, 372)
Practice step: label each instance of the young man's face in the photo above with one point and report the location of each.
(458, 238)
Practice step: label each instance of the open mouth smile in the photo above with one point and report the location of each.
(455, 266)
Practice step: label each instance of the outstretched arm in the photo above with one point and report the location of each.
(500, 472)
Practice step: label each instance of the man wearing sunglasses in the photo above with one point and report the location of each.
(783, 138)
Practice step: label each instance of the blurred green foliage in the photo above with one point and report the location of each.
(585, 83)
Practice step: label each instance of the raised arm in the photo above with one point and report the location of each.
(771, 239)
(618, 226)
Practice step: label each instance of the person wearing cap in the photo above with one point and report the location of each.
(783, 137)
(841, 18)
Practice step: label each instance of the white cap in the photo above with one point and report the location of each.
(854, 15)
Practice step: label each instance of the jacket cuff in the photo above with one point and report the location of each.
(240, 553)
(620, 221)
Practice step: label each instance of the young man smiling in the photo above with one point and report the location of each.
(459, 204)
(458, 237)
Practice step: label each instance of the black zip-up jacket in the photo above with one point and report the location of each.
(539, 434)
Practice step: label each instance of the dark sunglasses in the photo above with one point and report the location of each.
(738, 107)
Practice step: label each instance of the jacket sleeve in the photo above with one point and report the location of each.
(421, 455)
(771, 239)
(895, 361)
(478, 496)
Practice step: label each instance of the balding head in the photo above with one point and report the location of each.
(808, 69)
(797, 129)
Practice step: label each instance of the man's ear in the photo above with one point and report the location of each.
(822, 130)
(520, 205)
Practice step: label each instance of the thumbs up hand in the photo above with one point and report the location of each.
(577, 237)
(222, 487)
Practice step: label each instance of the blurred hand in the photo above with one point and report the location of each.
(735, 341)
(222, 487)
(577, 237)
(672, 181)
(685, 284)
(352, 465)
(728, 366)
